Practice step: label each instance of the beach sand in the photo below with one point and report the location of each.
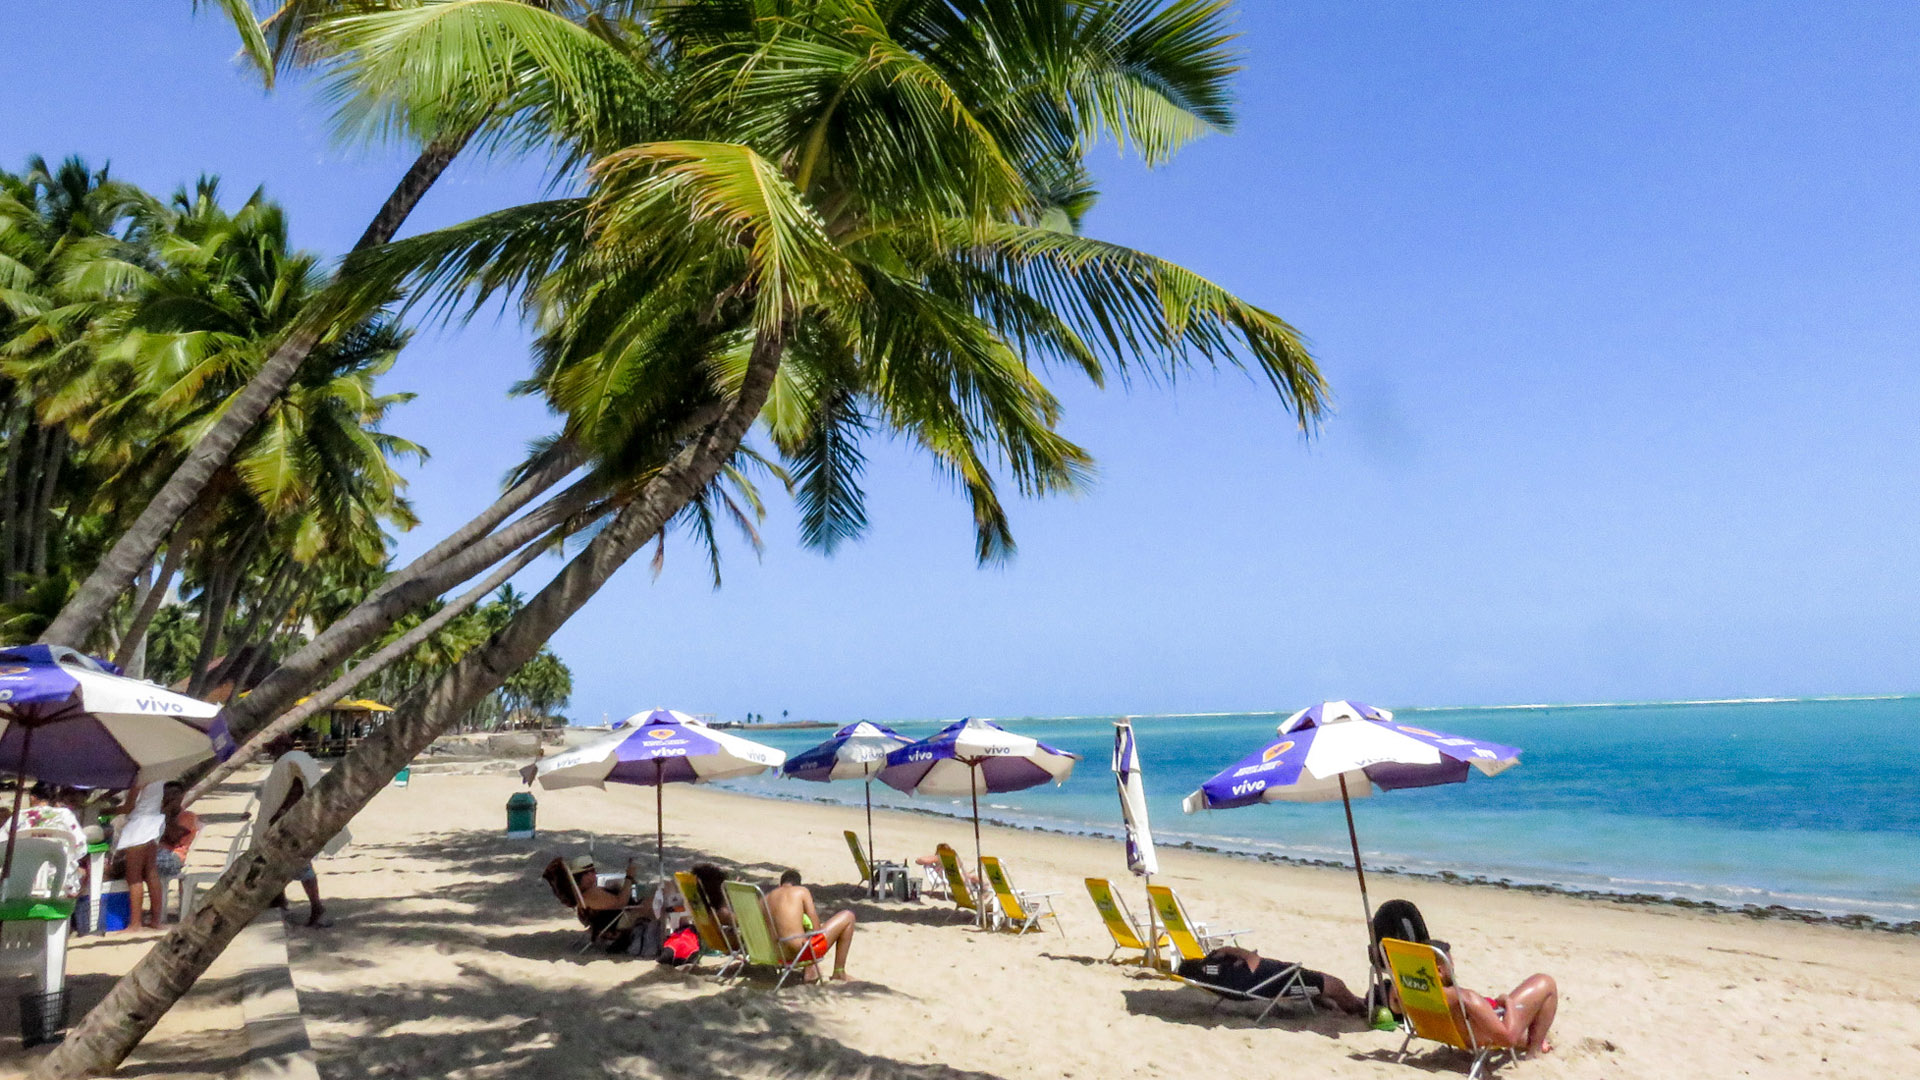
(451, 958)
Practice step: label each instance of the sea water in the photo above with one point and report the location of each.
(1806, 803)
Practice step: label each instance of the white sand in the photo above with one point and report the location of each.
(451, 958)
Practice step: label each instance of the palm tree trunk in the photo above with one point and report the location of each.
(268, 600)
(371, 617)
(136, 638)
(222, 586)
(135, 548)
(115, 1026)
(19, 432)
(55, 456)
(324, 698)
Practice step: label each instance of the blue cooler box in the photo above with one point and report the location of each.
(113, 912)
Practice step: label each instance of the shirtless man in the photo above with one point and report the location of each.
(793, 914)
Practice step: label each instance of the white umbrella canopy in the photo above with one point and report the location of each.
(655, 749)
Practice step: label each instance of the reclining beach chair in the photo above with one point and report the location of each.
(860, 859)
(957, 889)
(1189, 937)
(567, 891)
(714, 935)
(760, 944)
(1228, 979)
(1427, 1011)
(1127, 932)
(1019, 911)
(1401, 920)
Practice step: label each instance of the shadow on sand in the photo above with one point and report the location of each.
(654, 1021)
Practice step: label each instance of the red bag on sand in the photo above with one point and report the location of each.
(679, 946)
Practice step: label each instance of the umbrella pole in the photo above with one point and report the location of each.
(871, 853)
(1153, 928)
(979, 874)
(19, 789)
(1366, 909)
(659, 821)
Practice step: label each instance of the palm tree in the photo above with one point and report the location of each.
(866, 222)
(483, 99)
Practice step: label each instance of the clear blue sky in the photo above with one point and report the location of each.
(1618, 302)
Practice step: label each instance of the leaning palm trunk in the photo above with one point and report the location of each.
(372, 617)
(115, 1026)
(90, 603)
(293, 718)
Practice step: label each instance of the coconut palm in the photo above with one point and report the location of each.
(485, 100)
(862, 221)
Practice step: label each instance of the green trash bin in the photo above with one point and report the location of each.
(520, 811)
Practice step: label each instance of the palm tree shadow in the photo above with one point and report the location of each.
(486, 898)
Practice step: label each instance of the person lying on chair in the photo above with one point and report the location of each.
(1327, 988)
(1518, 1019)
(600, 905)
(793, 915)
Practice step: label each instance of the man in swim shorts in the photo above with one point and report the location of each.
(1327, 988)
(793, 915)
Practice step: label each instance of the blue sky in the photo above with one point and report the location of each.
(1618, 304)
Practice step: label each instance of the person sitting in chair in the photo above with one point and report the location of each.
(1326, 988)
(794, 915)
(599, 906)
(1518, 1019)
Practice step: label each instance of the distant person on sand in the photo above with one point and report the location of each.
(139, 842)
(177, 837)
(295, 773)
(1322, 985)
(793, 915)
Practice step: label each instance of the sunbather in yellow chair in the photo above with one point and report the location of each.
(760, 943)
(714, 936)
(963, 900)
(1419, 982)
(1019, 911)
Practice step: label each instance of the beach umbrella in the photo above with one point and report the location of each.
(1133, 816)
(67, 718)
(973, 756)
(1347, 750)
(855, 752)
(658, 748)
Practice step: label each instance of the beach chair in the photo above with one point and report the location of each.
(1019, 911)
(957, 889)
(35, 911)
(714, 935)
(1228, 979)
(187, 887)
(567, 891)
(1127, 933)
(760, 943)
(1427, 1011)
(860, 859)
(1189, 937)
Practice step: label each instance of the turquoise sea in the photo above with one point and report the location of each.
(1804, 803)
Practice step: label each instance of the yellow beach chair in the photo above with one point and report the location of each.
(962, 896)
(1019, 911)
(860, 859)
(760, 944)
(714, 937)
(1429, 1013)
(1126, 932)
(1189, 937)
(1191, 941)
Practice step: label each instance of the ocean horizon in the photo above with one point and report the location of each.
(1798, 802)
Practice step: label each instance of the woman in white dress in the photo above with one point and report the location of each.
(139, 841)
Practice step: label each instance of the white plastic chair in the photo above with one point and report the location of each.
(187, 887)
(35, 910)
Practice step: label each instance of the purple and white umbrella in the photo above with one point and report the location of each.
(1347, 750)
(855, 752)
(972, 756)
(67, 718)
(658, 748)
